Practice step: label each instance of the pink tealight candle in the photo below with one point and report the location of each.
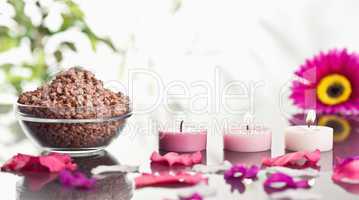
(309, 137)
(183, 141)
(248, 139)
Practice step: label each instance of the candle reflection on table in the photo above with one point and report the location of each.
(346, 144)
(251, 158)
(44, 186)
(346, 141)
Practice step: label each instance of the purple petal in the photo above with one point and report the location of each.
(65, 178)
(76, 180)
(280, 181)
(302, 184)
(277, 179)
(236, 185)
(240, 172)
(252, 172)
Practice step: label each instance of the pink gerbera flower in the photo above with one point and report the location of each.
(328, 83)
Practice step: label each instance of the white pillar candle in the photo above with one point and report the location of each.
(299, 138)
(309, 137)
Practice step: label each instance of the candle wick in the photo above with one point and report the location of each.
(181, 126)
(310, 123)
(310, 119)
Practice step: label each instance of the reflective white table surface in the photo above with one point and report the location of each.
(134, 147)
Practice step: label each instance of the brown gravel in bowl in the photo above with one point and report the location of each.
(74, 94)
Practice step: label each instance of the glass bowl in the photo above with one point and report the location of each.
(50, 128)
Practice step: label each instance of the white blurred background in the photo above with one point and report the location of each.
(195, 42)
(182, 40)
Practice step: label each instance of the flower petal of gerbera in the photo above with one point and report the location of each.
(315, 70)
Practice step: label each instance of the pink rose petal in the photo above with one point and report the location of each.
(347, 170)
(174, 158)
(57, 162)
(300, 159)
(52, 162)
(17, 163)
(168, 179)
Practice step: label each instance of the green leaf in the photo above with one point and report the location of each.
(32, 45)
(6, 67)
(176, 5)
(7, 43)
(20, 16)
(16, 82)
(92, 37)
(93, 42)
(67, 22)
(38, 4)
(6, 40)
(58, 56)
(74, 9)
(109, 43)
(44, 30)
(73, 17)
(69, 45)
(4, 30)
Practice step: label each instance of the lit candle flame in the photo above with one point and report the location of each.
(311, 116)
